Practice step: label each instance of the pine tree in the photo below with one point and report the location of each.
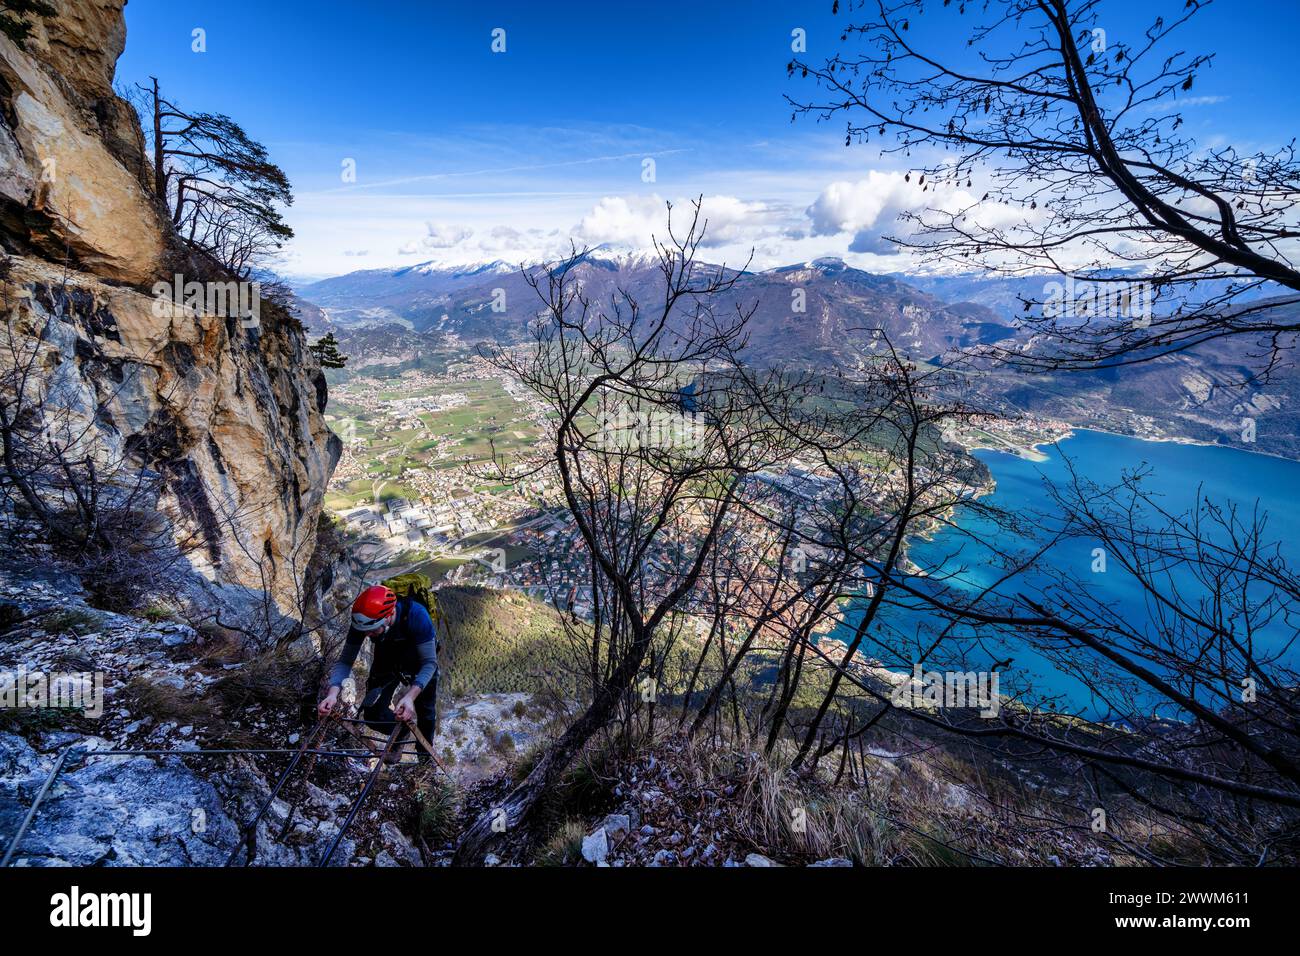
(327, 350)
(217, 184)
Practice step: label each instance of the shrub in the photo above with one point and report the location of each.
(527, 760)
(156, 613)
(71, 619)
(272, 679)
(499, 742)
(564, 846)
(168, 703)
(439, 802)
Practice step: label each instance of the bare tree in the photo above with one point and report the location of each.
(1074, 137)
(1193, 715)
(650, 514)
(90, 504)
(875, 473)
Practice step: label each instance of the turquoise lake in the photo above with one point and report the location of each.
(1176, 472)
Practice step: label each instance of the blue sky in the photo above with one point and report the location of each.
(464, 154)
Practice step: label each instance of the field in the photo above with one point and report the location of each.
(456, 441)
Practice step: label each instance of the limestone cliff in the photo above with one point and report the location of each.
(73, 177)
(227, 413)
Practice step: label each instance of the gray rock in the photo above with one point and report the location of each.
(833, 861)
(124, 811)
(181, 635)
(616, 827)
(757, 859)
(595, 846)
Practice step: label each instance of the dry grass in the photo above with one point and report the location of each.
(564, 846)
(167, 703)
(439, 806)
(271, 679)
(901, 815)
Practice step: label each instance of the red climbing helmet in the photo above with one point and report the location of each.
(372, 607)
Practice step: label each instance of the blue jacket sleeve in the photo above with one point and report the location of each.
(420, 629)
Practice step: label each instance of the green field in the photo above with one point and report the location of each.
(466, 435)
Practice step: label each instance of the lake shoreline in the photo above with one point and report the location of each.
(1032, 451)
(1178, 476)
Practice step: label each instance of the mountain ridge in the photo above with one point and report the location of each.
(1202, 395)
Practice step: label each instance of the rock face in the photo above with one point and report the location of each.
(212, 426)
(73, 179)
(227, 412)
(229, 417)
(147, 810)
(92, 815)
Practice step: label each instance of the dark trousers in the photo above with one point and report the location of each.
(377, 710)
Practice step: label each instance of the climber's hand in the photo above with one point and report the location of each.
(406, 707)
(326, 706)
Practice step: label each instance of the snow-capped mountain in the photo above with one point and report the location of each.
(823, 310)
(821, 313)
(376, 295)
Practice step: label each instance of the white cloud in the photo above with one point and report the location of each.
(1187, 102)
(856, 206)
(437, 236)
(634, 220)
(870, 209)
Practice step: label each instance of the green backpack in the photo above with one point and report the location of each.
(419, 589)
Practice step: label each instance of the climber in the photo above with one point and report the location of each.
(405, 655)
